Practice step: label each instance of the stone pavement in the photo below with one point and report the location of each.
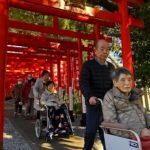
(19, 135)
(13, 140)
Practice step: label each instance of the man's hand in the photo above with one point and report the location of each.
(92, 100)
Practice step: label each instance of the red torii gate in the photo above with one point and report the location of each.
(97, 17)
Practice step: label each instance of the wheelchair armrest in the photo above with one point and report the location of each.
(108, 125)
(121, 127)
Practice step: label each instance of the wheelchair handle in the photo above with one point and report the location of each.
(99, 101)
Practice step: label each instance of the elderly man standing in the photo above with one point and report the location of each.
(94, 82)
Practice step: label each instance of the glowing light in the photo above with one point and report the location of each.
(83, 18)
(7, 136)
(8, 65)
(46, 145)
(31, 49)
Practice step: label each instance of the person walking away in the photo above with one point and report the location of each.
(30, 109)
(25, 92)
(16, 95)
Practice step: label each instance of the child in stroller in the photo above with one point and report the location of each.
(58, 121)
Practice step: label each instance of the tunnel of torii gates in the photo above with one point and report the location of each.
(21, 54)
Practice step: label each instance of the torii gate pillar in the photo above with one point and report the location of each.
(125, 36)
(3, 42)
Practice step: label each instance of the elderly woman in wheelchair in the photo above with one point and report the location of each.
(122, 106)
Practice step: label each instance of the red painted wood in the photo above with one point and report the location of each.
(102, 19)
(39, 51)
(49, 30)
(125, 37)
(32, 56)
(3, 39)
(35, 41)
(132, 2)
(136, 22)
(53, 3)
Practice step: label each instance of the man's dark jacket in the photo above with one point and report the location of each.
(95, 79)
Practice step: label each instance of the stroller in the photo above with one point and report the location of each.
(113, 142)
(48, 125)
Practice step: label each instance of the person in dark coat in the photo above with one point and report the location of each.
(94, 82)
(16, 95)
(25, 92)
(26, 89)
(30, 109)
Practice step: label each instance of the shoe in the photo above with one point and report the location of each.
(56, 131)
(51, 135)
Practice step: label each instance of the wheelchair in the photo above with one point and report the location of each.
(43, 125)
(113, 142)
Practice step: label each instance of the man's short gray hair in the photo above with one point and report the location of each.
(96, 42)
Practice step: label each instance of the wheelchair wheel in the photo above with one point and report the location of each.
(38, 128)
